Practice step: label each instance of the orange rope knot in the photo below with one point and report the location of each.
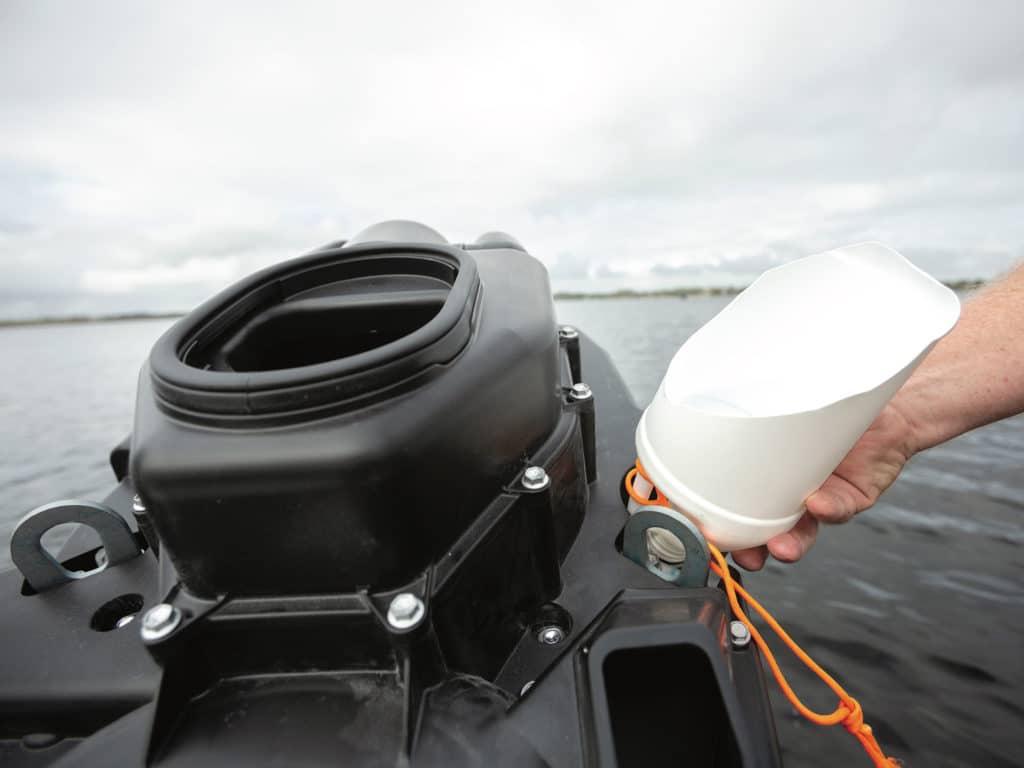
(849, 711)
(854, 721)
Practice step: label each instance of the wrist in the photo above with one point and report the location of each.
(909, 427)
(920, 403)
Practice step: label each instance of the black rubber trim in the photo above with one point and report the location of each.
(187, 387)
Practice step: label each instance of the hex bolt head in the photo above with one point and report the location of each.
(406, 611)
(535, 479)
(137, 505)
(567, 332)
(159, 622)
(551, 635)
(580, 392)
(739, 633)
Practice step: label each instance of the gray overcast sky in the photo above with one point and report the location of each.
(151, 153)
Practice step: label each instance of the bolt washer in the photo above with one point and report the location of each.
(535, 479)
(159, 622)
(581, 391)
(739, 633)
(551, 635)
(406, 610)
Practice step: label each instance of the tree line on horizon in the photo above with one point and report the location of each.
(624, 293)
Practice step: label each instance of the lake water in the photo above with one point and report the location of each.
(917, 607)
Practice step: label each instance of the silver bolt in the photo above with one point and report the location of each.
(580, 392)
(567, 332)
(552, 635)
(160, 621)
(535, 478)
(137, 505)
(526, 688)
(406, 610)
(740, 634)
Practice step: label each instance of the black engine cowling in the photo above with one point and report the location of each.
(339, 420)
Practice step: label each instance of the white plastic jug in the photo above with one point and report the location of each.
(762, 403)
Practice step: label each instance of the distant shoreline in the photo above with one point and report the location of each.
(667, 293)
(729, 290)
(626, 293)
(88, 319)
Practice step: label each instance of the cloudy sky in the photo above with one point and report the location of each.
(152, 153)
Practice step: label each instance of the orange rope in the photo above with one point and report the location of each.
(849, 711)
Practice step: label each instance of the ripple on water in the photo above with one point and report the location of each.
(936, 521)
(1010, 706)
(982, 586)
(873, 654)
(858, 608)
(873, 591)
(1005, 493)
(969, 672)
(940, 479)
(914, 615)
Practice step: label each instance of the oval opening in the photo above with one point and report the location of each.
(116, 613)
(338, 311)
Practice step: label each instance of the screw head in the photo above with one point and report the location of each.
(551, 635)
(739, 633)
(137, 505)
(160, 621)
(158, 615)
(535, 478)
(580, 392)
(567, 332)
(406, 610)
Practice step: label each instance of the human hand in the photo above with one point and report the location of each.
(869, 468)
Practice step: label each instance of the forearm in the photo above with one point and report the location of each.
(975, 375)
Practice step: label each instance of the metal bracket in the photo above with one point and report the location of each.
(692, 571)
(40, 569)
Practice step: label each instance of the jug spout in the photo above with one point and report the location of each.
(760, 405)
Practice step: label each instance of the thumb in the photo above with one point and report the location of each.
(833, 503)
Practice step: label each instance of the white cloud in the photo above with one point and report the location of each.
(204, 273)
(136, 139)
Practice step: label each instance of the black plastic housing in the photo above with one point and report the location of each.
(265, 475)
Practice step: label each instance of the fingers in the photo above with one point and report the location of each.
(787, 547)
(751, 559)
(836, 501)
(792, 545)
